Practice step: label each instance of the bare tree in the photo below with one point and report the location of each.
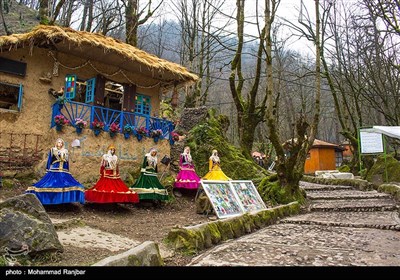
(8, 32)
(291, 156)
(135, 17)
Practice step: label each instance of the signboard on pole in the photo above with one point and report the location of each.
(371, 142)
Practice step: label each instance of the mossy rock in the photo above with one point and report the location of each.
(8, 183)
(377, 173)
(271, 191)
(392, 189)
(208, 135)
(186, 241)
(344, 168)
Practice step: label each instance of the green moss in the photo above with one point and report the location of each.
(189, 241)
(237, 227)
(225, 229)
(134, 261)
(391, 189)
(185, 240)
(215, 233)
(8, 183)
(376, 173)
(344, 168)
(206, 136)
(271, 191)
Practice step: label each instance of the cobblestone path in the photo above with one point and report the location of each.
(343, 227)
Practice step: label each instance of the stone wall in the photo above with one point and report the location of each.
(190, 118)
(192, 239)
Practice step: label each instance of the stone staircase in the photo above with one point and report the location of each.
(348, 207)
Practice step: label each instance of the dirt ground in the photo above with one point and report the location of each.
(141, 222)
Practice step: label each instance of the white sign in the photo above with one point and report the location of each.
(371, 142)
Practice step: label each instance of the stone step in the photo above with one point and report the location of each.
(355, 205)
(382, 220)
(345, 194)
(325, 188)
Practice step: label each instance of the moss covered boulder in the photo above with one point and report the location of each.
(377, 174)
(209, 135)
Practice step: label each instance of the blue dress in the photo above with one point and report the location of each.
(57, 185)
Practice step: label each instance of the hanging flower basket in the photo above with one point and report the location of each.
(59, 127)
(97, 127)
(60, 121)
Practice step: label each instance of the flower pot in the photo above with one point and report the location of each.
(59, 127)
(112, 134)
(156, 139)
(139, 137)
(127, 135)
(79, 130)
(96, 132)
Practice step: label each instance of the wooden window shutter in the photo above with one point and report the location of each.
(129, 98)
(99, 90)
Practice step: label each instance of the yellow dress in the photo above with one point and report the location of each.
(215, 172)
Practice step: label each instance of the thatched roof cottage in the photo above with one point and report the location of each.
(83, 77)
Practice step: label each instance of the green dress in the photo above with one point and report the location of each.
(147, 185)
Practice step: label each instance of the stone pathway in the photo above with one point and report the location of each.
(344, 227)
(72, 233)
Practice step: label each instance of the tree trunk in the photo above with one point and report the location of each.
(44, 12)
(131, 22)
(2, 19)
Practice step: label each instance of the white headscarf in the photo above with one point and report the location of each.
(110, 159)
(152, 160)
(60, 152)
(187, 154)
(214, 156)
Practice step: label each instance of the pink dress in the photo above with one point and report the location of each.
(187, 177)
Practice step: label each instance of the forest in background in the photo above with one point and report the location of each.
(252, 64)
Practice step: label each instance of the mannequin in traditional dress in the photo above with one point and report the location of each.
(215, 172)
(147, 185)
(110, 188)
(187, 177)
(58, 186)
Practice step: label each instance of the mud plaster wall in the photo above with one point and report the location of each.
(35, 116)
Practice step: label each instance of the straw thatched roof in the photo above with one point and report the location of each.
(97, 47)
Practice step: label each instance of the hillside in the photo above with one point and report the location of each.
(19, 18)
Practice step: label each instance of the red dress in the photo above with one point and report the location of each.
(110, 188)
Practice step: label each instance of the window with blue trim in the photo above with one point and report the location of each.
(11, 96)
(142, 104)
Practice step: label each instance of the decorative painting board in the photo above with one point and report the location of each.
(248, 195)
(223, 198)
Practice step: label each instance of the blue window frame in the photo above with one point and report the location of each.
(11, 97)
(142, 104)
(90, 86)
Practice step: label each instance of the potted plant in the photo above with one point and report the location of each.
(127, 131)
(97, 126)
(114, 129)
(79, 125)
(156, 134)
(60, 121)
(140, 132)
